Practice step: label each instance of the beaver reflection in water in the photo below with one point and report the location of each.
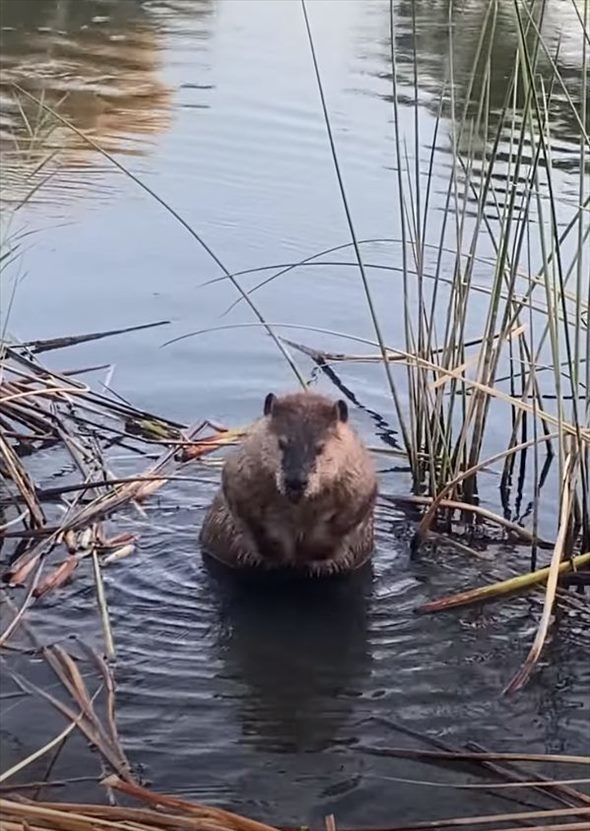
(298, 494)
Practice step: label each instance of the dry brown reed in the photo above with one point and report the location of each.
(39, 409)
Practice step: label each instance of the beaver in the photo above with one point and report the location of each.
(298, 494)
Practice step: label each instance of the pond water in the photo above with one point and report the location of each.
(262, 704)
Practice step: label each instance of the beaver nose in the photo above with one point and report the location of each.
(295, 486)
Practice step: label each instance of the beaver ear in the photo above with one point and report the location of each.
(269, 403)
(341, 408)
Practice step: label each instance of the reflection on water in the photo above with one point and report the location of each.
(98, 62)
(467, 60)
(486, 34)
(299, 679)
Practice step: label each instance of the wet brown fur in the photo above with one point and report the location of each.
(251, 522)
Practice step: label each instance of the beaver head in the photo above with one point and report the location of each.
(305, 426)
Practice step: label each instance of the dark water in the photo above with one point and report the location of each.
(256, 702)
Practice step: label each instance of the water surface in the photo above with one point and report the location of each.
(262, 703)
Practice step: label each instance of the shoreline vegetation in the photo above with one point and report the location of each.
(515, 249)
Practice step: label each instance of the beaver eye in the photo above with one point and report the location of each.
(282, 444)
(319, 448)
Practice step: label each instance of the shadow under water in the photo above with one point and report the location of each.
(297, 649)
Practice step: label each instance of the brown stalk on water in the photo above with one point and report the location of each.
(38, 346)
(504, 587)
(559, 553)
(193, 816)
(190, 808)
(198, 449)
(466, 507)
(510, 771)
(183, 805)
(47, 494)
(36, 419)
(60, 575)
(14, 469)
(562, 792)
(470, 756)
(47, 392)
(73, 817)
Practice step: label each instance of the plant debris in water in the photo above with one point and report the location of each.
(534, 338)
(42, 409)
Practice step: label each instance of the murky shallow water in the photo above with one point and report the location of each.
(259, 703)
(263, 703)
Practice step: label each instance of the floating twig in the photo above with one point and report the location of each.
(502, 588)
(38, 346)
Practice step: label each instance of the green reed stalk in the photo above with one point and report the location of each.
(581, 355)
(447, 439)
(357, 250)
(407, 433)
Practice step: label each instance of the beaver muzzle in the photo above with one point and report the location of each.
(295, 487)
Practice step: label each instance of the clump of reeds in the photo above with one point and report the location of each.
(530, 365)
